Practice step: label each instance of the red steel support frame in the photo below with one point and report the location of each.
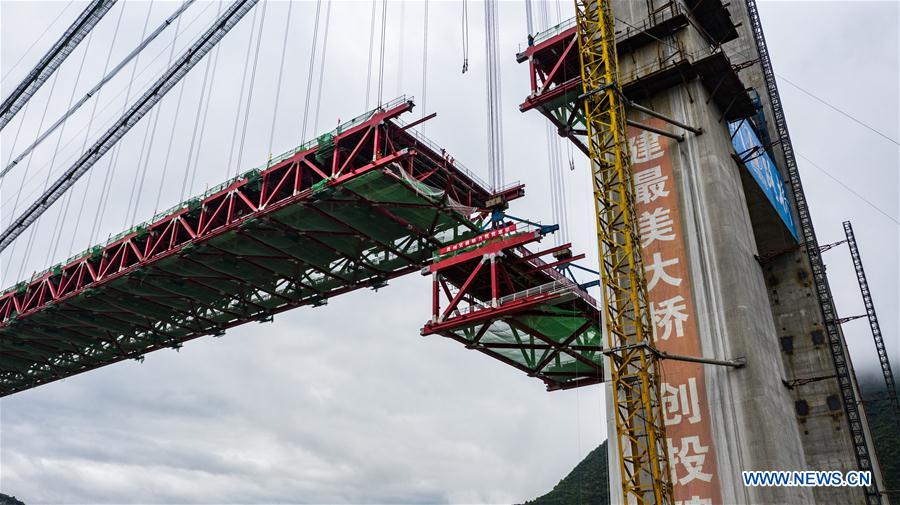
(220, 212)
(483, 288)
(373, 143)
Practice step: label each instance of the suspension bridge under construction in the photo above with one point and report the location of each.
(709, 262)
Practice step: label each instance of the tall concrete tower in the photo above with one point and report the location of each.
(732, 263)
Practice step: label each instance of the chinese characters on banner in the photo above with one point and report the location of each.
(691, 453)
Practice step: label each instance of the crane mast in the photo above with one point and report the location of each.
(640, 430)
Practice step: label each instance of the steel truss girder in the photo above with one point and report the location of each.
(169, 267)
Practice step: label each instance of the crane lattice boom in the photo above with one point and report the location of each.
(640, 430)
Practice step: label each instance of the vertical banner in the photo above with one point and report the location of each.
(686, 408)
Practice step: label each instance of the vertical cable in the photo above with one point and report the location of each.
(425, 64)
(381, 57)
(87, 131)
(465, 35)
(371, 47)
(64, 210)
(400, 54)
(311, 71)
(22, 185)
(237, 117)
(528, 21)
(262, 23)
(493, 85)
(137, 188)
(114, 157)
(315, 124)
(189, 167)
(287, 32)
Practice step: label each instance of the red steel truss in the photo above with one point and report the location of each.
(494, 295)
(367, 202)
(554, 68)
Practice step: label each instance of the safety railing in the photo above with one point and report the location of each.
(553, 31)
(553, 287)
(557, 286)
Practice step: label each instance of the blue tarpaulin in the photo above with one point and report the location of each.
(762, 168)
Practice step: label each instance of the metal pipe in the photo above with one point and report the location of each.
(697, 131)
(735, 363)
(659, 131)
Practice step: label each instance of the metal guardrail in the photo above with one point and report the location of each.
(554, 30)
(557, 286)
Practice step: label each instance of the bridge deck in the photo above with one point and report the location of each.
(367, 202)
(502, 299)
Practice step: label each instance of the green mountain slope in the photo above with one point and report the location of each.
(885, 431)
(9, 500)
(587, 482)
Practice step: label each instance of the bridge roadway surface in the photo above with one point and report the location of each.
(367, 202)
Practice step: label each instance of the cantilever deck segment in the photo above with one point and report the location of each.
(496, 296)
(360, 205)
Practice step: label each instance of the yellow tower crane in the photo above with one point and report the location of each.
(640, 429)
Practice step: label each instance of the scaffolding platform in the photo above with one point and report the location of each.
(555, 77)
(492, 294)
(353, 208)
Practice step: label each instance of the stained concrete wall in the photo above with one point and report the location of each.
(746, 309)
(825, 433)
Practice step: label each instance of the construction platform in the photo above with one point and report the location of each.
(362, 204)
(554, 66)
(496, 296)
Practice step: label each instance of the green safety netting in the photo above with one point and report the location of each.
(333, 242)
(516, 334)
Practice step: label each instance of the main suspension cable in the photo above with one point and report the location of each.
(53, 59)
(106, 78)
(150, 98)
(36, 40)
(107, 105)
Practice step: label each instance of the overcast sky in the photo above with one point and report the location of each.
(346, 403)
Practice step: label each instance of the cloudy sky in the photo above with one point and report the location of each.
(346, 403)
